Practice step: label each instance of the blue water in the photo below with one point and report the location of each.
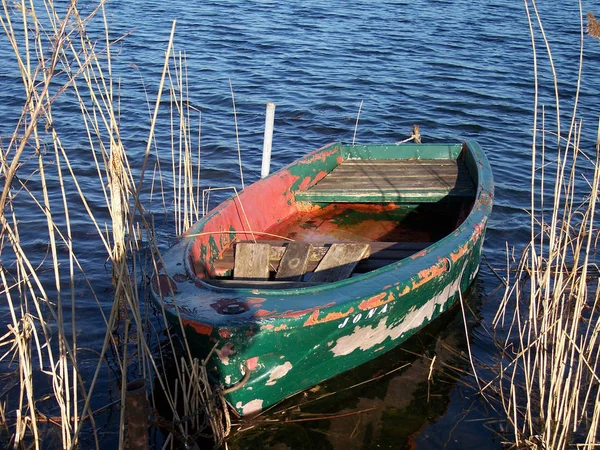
(461, 69)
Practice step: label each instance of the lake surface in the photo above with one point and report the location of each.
(460, 69)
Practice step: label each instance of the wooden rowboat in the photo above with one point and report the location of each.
(327, 263)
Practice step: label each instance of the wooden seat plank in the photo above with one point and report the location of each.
(251, 262)
(339, 261)
(294, 261)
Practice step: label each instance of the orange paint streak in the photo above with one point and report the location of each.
(428, 274)
(200, 328)
(455, 256)
(300, 313)
(255, 300)
(314, 317)
(264, 313)
(372, 302)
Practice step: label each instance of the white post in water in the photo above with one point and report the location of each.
(266, 160)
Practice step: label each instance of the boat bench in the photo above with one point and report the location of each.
(392, 180)
(283, 264)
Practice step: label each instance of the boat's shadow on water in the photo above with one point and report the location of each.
(384, 403)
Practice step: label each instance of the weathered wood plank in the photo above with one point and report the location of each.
(251, 261)
(384, 196)
(339, 262)
(261, 284)
(294, 261)
(400, 184)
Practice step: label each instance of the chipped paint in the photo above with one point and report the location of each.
(314, 317)
(251, 407)
(264, 313)
(428, 274)
(253, 301)
(225, 333)
(252, 363)
(279, 372)
(376, 301)
(198, 327)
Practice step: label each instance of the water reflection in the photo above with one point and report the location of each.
(386, 403)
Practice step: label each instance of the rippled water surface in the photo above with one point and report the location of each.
(461, 69)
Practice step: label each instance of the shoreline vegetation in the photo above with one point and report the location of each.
(547, 326)
(544, 387)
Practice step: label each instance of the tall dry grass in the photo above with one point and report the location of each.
(548, 378)
(42, 346)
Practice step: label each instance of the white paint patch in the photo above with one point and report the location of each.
(251, 407)
(364, 338)
(278, 372)
(228, 380)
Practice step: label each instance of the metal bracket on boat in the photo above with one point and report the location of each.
(448, 264)
(240, 384)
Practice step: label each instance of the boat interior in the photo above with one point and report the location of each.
(364, 215)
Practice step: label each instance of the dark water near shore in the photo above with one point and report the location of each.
(461, 69)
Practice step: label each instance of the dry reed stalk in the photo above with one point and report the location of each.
(548, 383)
(87, 72)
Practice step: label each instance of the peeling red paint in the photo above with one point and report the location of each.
(320, 156)
(268, 326)
(314, 317)
(200, 328)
